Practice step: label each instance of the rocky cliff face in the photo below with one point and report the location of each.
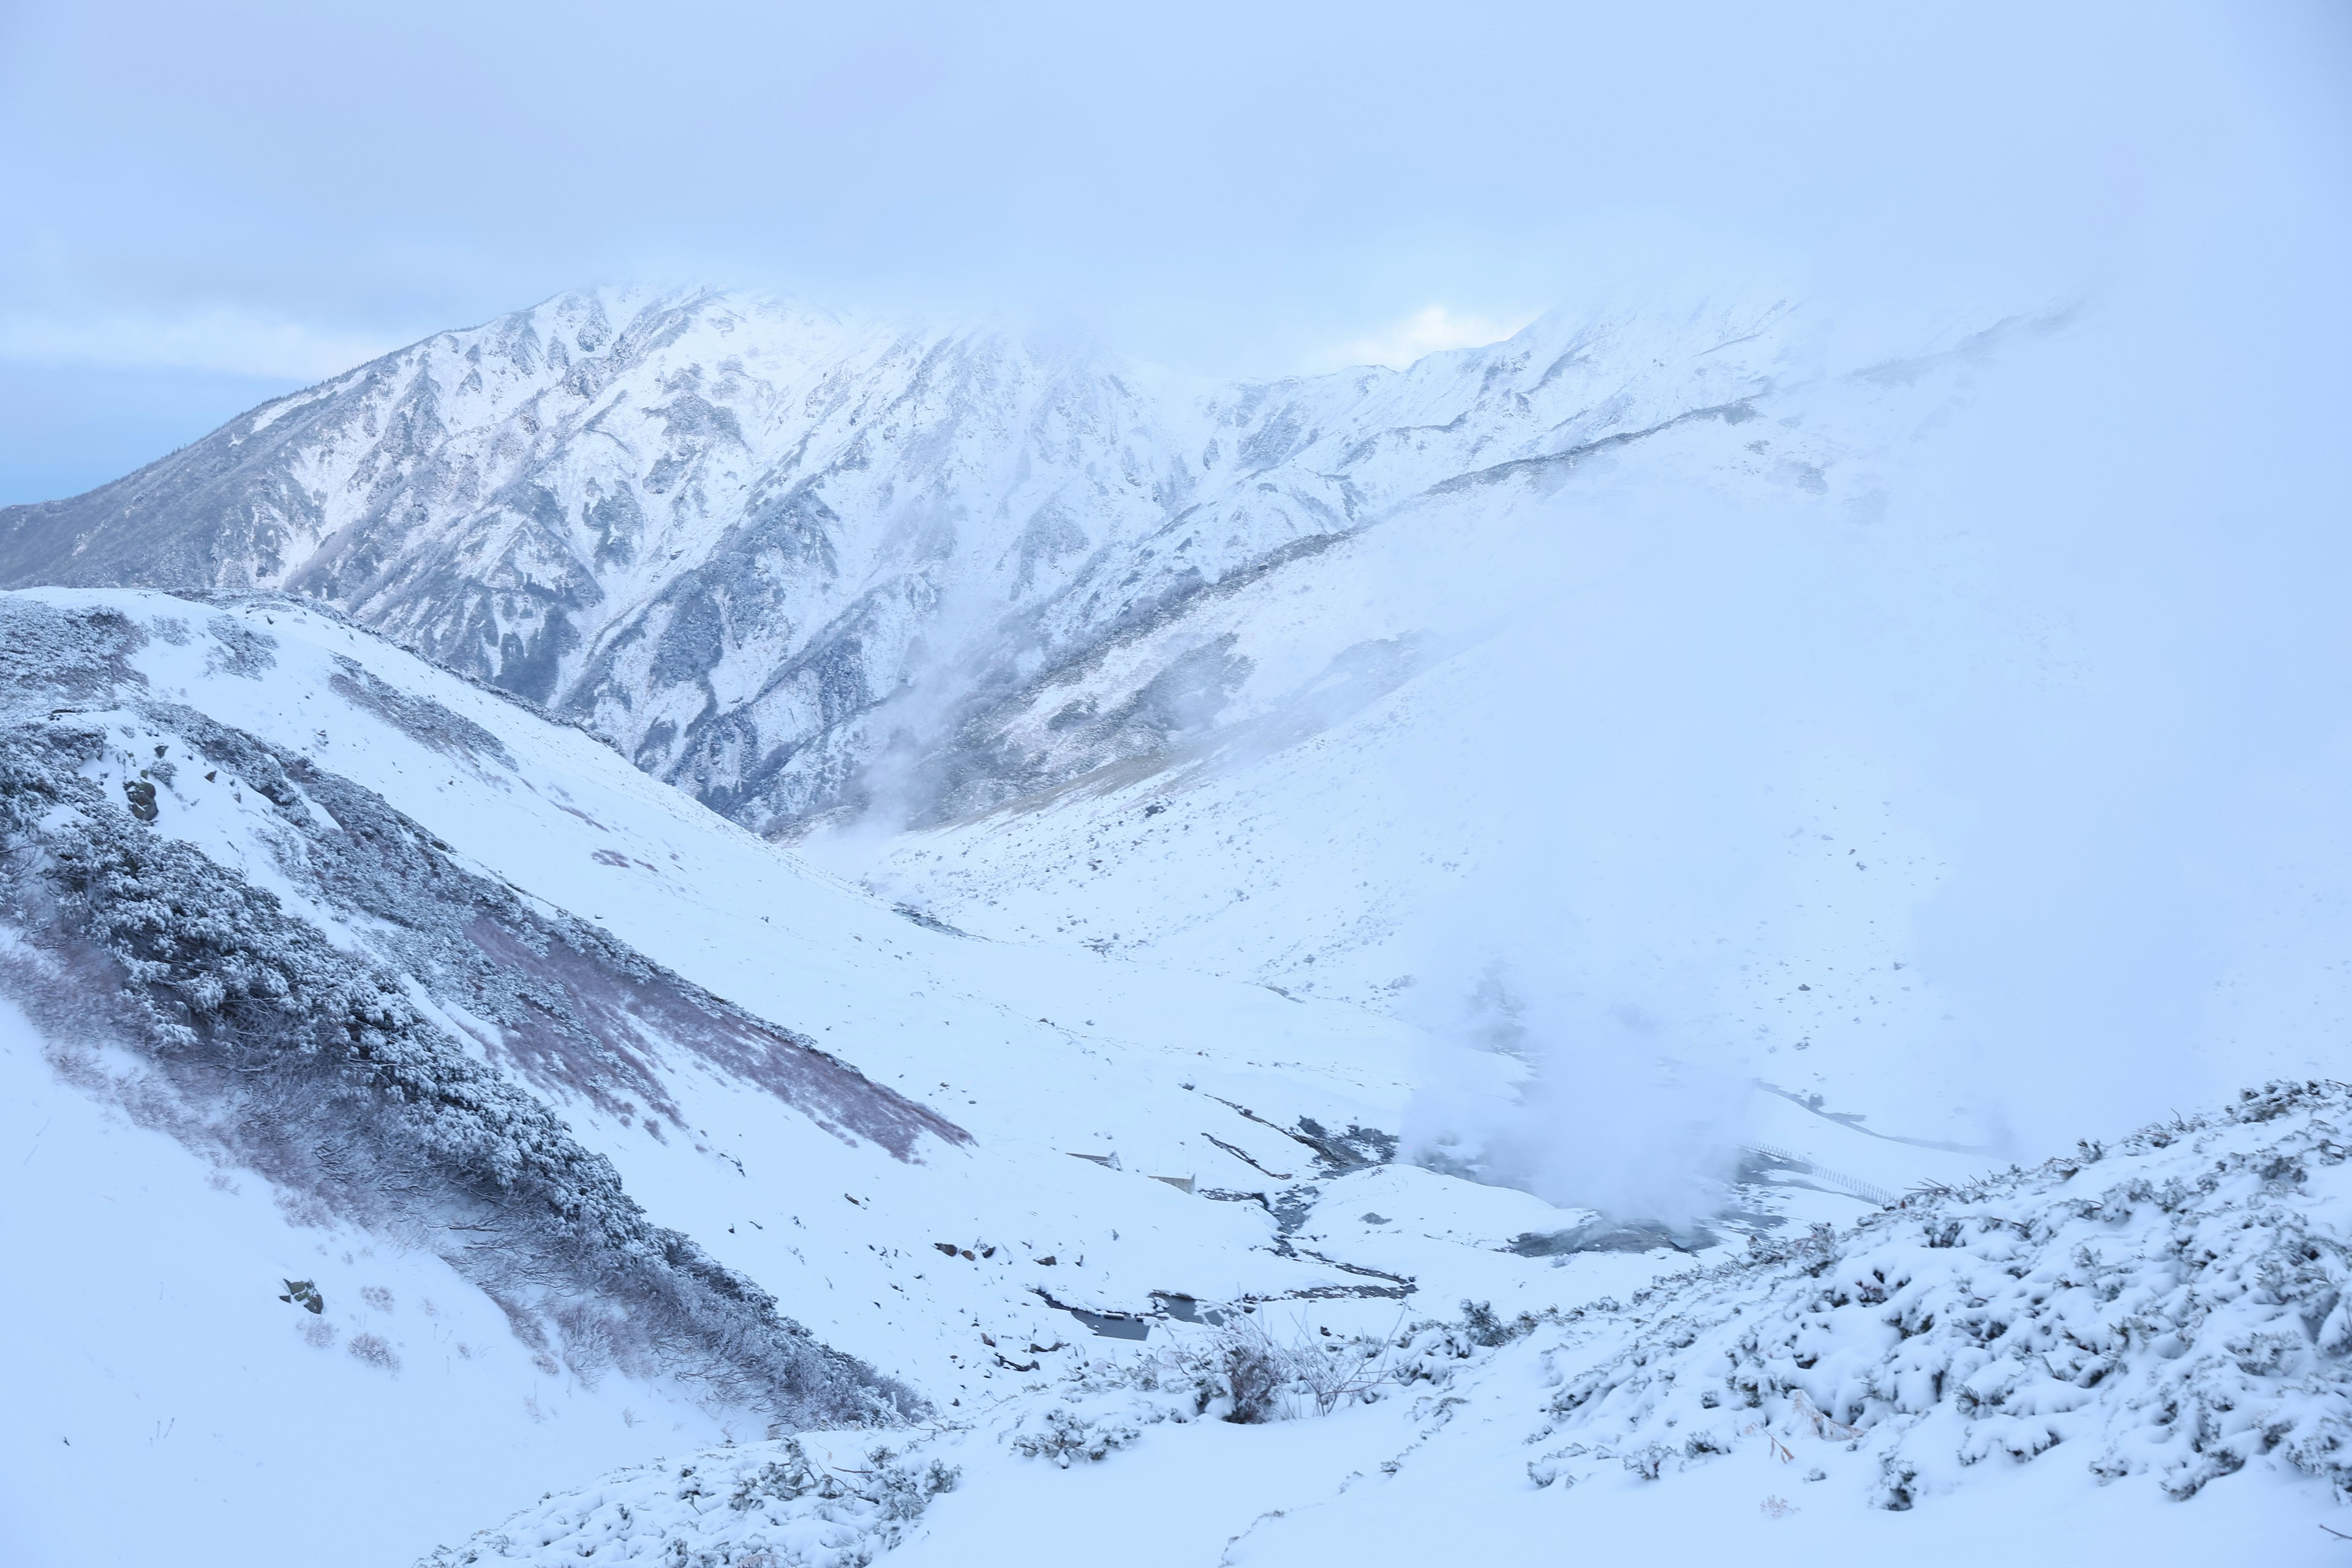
(795, 562)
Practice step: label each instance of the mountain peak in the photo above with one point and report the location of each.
(763, 543)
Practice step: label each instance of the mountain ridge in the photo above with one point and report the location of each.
(765, 545)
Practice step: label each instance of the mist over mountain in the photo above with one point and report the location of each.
(1221, 786)
(766, 547)
(1709, 666)
(1439, 894)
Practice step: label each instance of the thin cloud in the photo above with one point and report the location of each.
(1430, 330)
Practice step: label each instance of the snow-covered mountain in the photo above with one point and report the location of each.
(1157, 668)
(357, 1018)
(1474, 862)
(793, 560)
(1652, 640)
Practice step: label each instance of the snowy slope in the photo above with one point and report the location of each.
(872, 1121)
(2134, 1355)
(720, 1023)
(1265, 681)
(156, 1363)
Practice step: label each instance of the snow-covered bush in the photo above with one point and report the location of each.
(1245, 1373)
(1487, 1328)
(375, 1350)
(312, 1065)
(1254, 1372)
(1063, 1435)
(2179, 1304)
(783, 1504)
(1242, 1373)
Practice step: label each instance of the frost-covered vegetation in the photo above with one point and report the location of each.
(1247, 1373)
(789, 1504)
(816, 1501)
(260, 1038)
(2172, 1306)
(2178, 1304)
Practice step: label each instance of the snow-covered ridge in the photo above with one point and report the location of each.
(793, 561)
(561, 1098)
(2177, 1305)
(317, 1067)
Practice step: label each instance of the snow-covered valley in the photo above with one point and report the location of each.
(635, 906)
(872, 1121)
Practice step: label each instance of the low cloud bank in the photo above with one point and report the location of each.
(2075, 670)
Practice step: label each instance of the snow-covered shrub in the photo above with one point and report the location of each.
(1252, 1370)
(1487, 1329)
(902, 1491)
(786, 1504)
(1243, 1373)
(311, 1066)
(2178, 1304)
(1435, 1351)
(897, 1490)
(1063, 1435)
(375, 1350)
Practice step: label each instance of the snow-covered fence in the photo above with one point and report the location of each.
(1852, 1186)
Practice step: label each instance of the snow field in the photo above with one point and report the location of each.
(2223, 1237)
(2128, 1355)
(167, 1406)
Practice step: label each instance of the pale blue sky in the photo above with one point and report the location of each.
(210, 202)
